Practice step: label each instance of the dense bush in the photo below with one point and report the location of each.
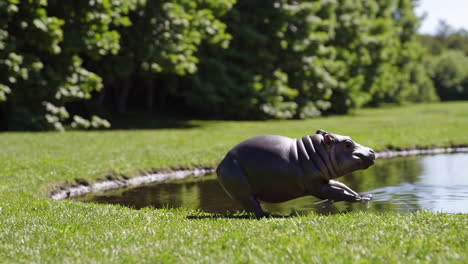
(450, 74)
(449, 61)
(221, 59)
(43, 47)
(53, 52)
(298, 59)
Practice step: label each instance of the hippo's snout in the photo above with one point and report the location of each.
(366, 157)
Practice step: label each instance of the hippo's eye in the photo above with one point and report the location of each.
(349, 145)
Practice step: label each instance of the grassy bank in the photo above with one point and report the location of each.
(35, 229)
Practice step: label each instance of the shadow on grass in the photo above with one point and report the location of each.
(328, 209)
(126, 121)
(232, 216)
(144, 121)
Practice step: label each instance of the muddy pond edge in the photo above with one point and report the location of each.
(82, 187)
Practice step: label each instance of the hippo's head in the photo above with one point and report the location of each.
(346, 155)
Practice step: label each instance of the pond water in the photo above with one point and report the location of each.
(435, 183)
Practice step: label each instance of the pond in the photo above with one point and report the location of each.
(435, 183)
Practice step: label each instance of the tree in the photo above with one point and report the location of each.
(301, 59)
(286, 59)
(450, 75)
(55, 53)
(45, 43)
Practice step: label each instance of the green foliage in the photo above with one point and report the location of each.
(165, 36)
(450, 75)
(276, 55)
(55, 53)
(383, 61)
(333, 56)
(225, 59)
(44, 43)
(446, 38)
(449, 64)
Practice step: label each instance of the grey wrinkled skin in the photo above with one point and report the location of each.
(277, 169)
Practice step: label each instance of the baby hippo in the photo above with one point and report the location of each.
(277, 169)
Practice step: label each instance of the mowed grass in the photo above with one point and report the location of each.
(34, 228)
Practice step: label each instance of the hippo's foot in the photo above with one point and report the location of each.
(366, 198)
(263, 214)
(336, 191)
(251, 204)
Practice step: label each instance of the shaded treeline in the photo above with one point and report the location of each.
(448, 63)
(66, 62)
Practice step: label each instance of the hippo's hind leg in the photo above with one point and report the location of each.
(234, 181)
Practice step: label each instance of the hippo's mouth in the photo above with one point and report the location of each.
(367, 160)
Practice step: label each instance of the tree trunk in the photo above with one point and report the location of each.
(123, 96)
(3, 116)
(149, 94)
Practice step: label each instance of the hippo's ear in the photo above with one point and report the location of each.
(328, 139)
(321, 132)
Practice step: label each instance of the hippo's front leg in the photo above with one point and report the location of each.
(337, 191)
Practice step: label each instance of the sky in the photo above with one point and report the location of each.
(455, 12)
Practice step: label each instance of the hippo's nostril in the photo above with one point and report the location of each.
(371, 151)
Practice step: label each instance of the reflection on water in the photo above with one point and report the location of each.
(442, 185)
(435, 183)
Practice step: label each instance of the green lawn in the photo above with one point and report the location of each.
(34, 228)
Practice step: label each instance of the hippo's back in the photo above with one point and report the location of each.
(271, 166)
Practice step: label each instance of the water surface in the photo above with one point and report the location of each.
(435, 183)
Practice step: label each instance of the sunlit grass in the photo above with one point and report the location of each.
(34, 228)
